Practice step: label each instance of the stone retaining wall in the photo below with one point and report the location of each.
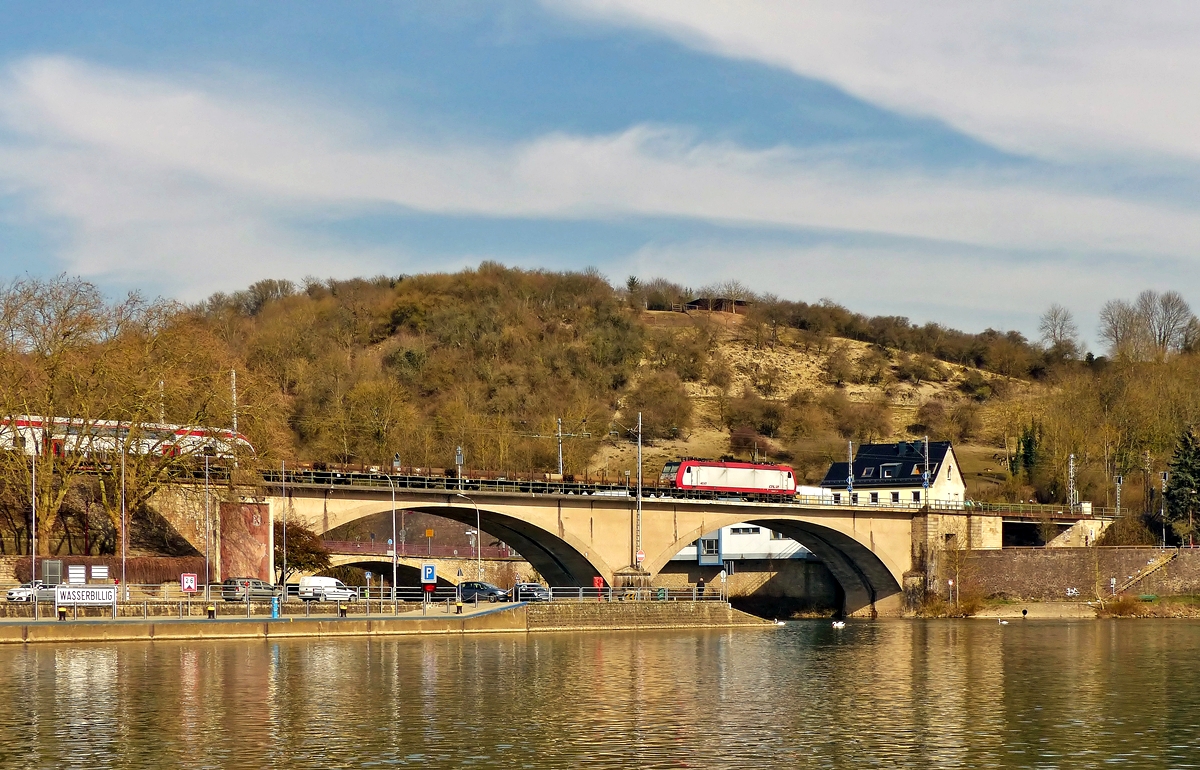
(627, 616)
(520, 618)
(1050, 573)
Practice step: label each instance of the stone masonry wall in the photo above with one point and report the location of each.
(1050, 573)
(574, 616)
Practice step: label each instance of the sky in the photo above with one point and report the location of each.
(966, 163)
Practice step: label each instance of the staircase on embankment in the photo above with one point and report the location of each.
(1154, 565)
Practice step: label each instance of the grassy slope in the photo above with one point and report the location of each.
(709, 438)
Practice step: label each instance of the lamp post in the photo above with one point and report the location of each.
(478, 538)
(283, 483)
(124, 537)
(33, 520)
(207, 530)
(395, 545)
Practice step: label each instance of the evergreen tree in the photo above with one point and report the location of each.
(1183, 484)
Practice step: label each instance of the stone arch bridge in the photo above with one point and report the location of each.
(571, 539)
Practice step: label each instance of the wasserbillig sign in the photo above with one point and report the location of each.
(85, 596)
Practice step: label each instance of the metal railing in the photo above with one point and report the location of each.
(350, 547)
(146, 602)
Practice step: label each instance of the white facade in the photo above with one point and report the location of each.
(744, 541)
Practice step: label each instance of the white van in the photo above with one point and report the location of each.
(318, 589)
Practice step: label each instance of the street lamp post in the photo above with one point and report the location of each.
(478, 538)
(124, 537)
(392, 485)
(207, 531)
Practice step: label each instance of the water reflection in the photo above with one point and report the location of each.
(896, 694)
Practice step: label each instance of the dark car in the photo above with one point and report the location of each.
(529, 592)
(477, 590)
(234, 589)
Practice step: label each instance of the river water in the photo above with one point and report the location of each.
(913, 694)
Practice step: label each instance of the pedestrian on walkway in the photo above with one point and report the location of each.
(700, 587)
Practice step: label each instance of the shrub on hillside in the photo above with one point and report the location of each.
(664, 404)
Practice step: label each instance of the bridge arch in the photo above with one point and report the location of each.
(867, 578)
(559, 557)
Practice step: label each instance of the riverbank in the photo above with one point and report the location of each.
(517, 618)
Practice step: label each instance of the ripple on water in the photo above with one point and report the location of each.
(888, 694)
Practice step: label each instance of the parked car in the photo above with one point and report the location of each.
(473, 590)
(326, 589)
(25, 592)
(234, 589)
(529, 592)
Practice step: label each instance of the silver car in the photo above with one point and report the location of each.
(25, 592)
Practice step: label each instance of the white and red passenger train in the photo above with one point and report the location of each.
(104, 438)
(730, 477)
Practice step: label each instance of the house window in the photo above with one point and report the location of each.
(916, 497)
(837, 498)
(895, 497)
(949, 470)
(889, 471)
(854, 499)
(868, 473)
(710, 547)
(916, 470)
(743, 531)
(874, 498)
(778, 536)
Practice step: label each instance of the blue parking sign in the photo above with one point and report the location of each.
(428, 573)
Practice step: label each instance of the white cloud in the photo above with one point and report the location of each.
(158, 178)
(1055, 79)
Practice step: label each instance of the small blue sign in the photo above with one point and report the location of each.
(428, 573)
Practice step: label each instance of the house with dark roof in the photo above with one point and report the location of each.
(892, 474)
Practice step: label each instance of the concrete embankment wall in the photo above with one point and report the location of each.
(567, 616)
(1050, 573)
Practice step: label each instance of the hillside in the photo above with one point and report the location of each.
(490, 360)
(777, 370)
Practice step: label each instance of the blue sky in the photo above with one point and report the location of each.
(966, 163)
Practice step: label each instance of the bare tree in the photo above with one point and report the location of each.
(1124, 329)
(1166, 317)
(1059, 331)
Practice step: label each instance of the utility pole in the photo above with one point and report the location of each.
(162, 411)
(1119, 480)
(925, 473)
(458, 461)
(639, 490)
(1072, 493)
(560, 462)
(233, 390)
(1163, 507)
(850, 469)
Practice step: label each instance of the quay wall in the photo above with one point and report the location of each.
(520, 618)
